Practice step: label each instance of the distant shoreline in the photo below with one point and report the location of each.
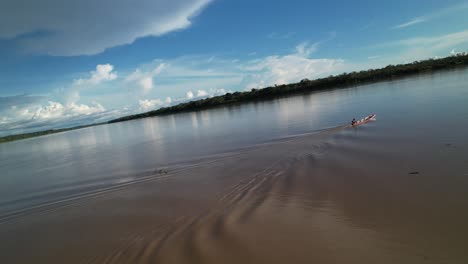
(344, 80)
(43, 133)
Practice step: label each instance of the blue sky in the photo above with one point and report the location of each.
(65, 62)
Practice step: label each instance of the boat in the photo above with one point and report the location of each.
(364, 120)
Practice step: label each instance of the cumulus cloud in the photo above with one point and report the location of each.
(153, 104)
(202, 93)
(69, 27)
(47, 120)
(82, 109)
(144, 79)
(289, 68)
(27, 117)
(177, 80)
(56, 110)
(189, 95)
(29, 112)
(103, 73)
(148, 104)
(209, 76)
(174, 77)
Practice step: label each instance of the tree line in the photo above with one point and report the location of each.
(343, 80)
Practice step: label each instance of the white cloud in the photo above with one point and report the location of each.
(51, 114)
(135, 76)
(413, 49)
(55, 110)
(145, 79)
(441, 12)
(189, 95)
(103, 73)
(153, 104)
(411, 22)
(424, 47)
(147, 84)
(454, 52)
(82, 109)
(148, 104)
(22, 112)
(69, 27)
(289, 68)
(202, 93)
(205, 76)
(4, 120)
(305, 49)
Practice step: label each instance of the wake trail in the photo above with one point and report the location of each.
(161, 173)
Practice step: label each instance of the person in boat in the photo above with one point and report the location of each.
(353, 122)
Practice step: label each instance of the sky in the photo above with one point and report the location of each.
(66, 62)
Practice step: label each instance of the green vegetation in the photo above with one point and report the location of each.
(332, 82)
(41, 133)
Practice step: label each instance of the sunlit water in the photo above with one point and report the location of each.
(266, 182)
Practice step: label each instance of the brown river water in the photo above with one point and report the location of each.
(281, 181)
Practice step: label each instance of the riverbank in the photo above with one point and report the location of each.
(344, 80)
(305, 86)
(42, 133)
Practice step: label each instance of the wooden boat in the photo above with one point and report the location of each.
(364, 120)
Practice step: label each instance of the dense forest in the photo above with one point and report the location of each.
(332, 82)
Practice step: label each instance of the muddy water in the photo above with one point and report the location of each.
(281, 181)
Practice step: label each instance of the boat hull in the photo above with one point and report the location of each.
(365, 120)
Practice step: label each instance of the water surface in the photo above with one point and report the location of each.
(268, 182)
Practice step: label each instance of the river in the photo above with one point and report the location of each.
(277, 181)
